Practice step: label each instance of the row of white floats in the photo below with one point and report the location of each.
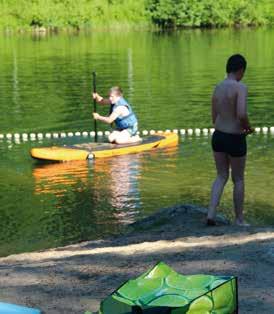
(40, 136)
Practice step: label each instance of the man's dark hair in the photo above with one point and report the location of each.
(235, 63)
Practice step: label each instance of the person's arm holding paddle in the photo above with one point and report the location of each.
(101, 100)
(110, 119)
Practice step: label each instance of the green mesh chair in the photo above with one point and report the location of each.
(163, 291)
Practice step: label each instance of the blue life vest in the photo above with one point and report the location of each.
(125, 122)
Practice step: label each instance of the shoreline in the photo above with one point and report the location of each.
(126, 27)
(75, 278)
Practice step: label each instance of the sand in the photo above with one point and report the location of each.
(75, 278)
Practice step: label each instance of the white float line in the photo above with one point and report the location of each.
(54, 135)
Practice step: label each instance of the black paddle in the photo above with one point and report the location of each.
(94, 105)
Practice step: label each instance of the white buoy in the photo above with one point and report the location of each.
(85, 134)
(151, 132)
(168, 131)
(145, 132)
(189, 131)
(197, 131)
(211, 130)
(205, 131)
(160, 131)
(1, 136)
(63, 134)
(100, 133)
(175, 131)
(48, 135)
(40, 135)
(25, 136)
(70, 134)
(32, 136)
(272, 129)
(182, 131)
(107, 133)
(55, 135)
(77, 134)
(16, 135)
(265, 130)
(8, 136)
(257, 130)
(92, 133)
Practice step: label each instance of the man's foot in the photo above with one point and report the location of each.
(210, 222)
(241, 223)
(211, 214)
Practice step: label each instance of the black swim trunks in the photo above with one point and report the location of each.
(231, 144)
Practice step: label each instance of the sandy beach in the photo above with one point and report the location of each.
(75, 278)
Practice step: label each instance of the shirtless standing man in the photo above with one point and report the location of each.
(230, 119)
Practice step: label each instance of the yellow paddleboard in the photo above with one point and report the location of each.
(103, 150)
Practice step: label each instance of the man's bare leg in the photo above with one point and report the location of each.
(112, 136)
(222, 167)
(238, 168)
(125, 138)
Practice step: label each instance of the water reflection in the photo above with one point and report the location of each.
(119, 178)
(114, 180)
(56, 177)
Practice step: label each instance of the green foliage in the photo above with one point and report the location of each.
(71, 13)
(197, 13)
(109, 13)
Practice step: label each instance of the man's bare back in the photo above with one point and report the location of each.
(229, 106)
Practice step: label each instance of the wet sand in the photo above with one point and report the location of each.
(76, 278)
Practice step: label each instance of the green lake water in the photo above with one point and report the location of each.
(45, 86)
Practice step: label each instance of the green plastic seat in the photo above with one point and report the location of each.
(161, 290)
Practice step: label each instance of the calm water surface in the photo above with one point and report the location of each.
(45, 85)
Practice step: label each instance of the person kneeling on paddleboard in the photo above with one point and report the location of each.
(121, 114)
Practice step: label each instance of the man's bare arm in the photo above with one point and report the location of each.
(108, 120)
(213, 109)
(100, 100)
(242, 108)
